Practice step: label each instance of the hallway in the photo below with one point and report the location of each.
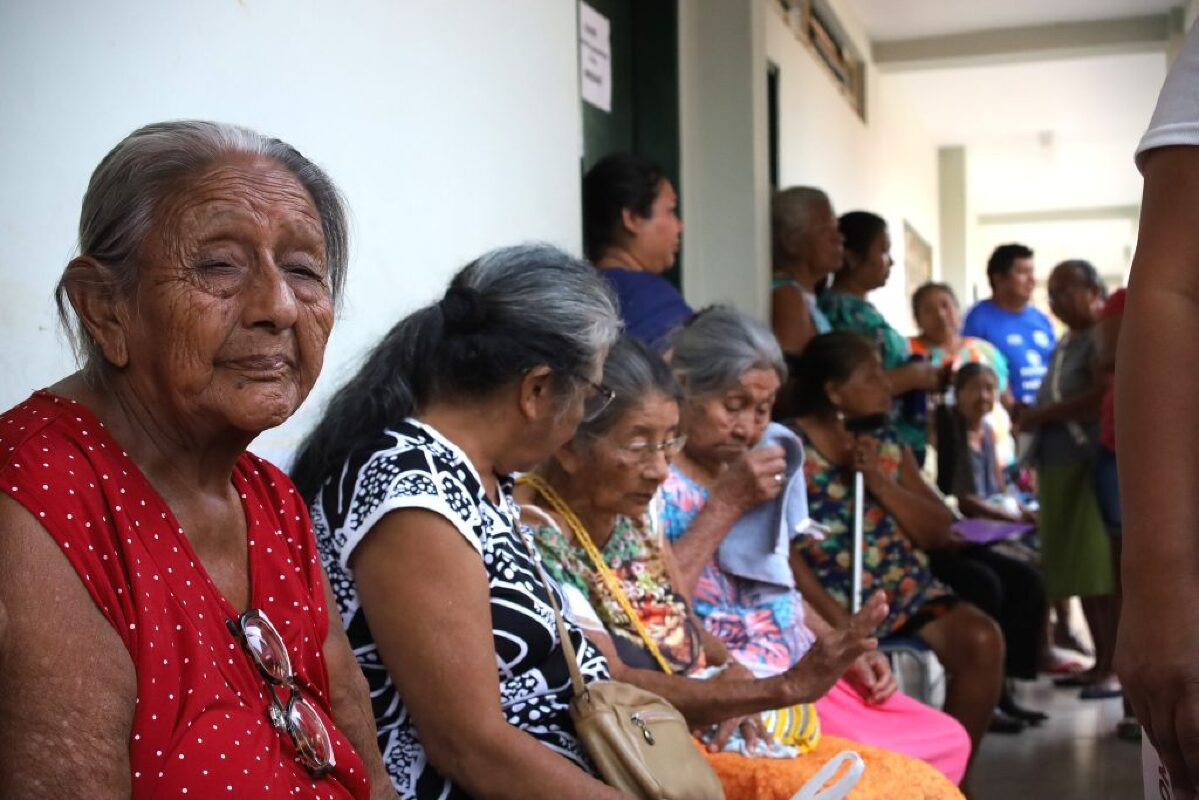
(1073, 756)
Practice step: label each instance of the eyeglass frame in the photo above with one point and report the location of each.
(648, 449)
(602, 390)
(280, 715)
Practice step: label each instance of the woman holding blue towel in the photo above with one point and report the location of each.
(731, 368)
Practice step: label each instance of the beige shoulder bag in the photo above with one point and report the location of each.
(637, 740)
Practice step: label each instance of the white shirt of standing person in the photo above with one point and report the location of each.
(1176, 119)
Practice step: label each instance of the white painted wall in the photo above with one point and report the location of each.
(451, 127)
(887, 164)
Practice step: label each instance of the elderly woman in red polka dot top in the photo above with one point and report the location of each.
(164, 627)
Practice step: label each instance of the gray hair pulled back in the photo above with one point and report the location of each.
(507, 312)
(718, 346)
(149, 164)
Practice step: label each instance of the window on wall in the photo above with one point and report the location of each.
(816, 25)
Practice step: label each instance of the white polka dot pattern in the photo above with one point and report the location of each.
(200, 726)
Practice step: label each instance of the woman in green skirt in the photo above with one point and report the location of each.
(1075, 549)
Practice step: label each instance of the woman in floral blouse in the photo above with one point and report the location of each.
(840, 376)
(603, 482)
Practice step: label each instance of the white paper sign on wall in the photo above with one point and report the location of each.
(595, 57)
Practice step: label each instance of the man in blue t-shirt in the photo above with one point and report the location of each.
(1021, 332)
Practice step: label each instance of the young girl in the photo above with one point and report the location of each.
(968, 467)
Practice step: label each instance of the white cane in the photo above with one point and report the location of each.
(859, 500)
(860, 425)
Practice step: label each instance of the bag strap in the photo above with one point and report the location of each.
(597, 559)
(577, 684)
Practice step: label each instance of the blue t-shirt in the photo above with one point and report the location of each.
(649, 305)
(1024, 337)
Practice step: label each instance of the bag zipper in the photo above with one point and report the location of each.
(642, 719)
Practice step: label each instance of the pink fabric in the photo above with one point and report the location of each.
(901, 724)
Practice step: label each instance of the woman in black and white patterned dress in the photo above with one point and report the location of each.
(407, 477)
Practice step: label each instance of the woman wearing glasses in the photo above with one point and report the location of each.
(408, 476)
(589, 508)
(731, 368)
(163, 617)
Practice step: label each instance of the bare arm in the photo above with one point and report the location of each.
(1157, 403)
(349, 700)
(712, 701)
(814, 594)
(790, 320)
(1082, 407)
(916, 375)
(973, 505)
(920, 513)
(67, 684)
(747, 482)
(438, 647)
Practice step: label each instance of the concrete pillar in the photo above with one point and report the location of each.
(723, 153)
(951, 175)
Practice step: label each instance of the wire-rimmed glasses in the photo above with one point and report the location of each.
(296, 717)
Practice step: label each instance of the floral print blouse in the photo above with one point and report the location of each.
(890, 561)
(634, 554)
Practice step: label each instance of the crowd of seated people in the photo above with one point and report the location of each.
(376, 623)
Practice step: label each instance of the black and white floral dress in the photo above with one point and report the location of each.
(414, 466)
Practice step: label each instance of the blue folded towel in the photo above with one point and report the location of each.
(758, 545)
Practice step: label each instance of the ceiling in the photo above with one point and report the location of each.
(887, 20)
(1094, 98)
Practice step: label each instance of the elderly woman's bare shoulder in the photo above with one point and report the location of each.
(67, 684)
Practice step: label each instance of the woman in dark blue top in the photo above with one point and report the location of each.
(631, 233)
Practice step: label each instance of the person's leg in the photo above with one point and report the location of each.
(969, 645)
(968, 577)
(1021, 614)
(1100, 613)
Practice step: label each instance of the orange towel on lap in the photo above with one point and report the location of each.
(888, 775)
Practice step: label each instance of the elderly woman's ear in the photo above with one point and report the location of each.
(536, 393)
(91, 289)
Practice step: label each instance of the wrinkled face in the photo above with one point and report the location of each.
(656, 237)
(976, 398)
(823, 246)
(938, 316)
(1072, 299)
(228, 323)
(721, 427)
(866, 391)
(875, 266)
(623, 469)
(1019, 282)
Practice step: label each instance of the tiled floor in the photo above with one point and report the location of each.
(1073, 756)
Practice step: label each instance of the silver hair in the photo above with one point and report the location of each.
(572, 304)
(131, 182)
(509, 311)
(790, 211)
(718, 346)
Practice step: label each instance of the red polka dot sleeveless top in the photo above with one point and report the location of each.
(200, 725)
